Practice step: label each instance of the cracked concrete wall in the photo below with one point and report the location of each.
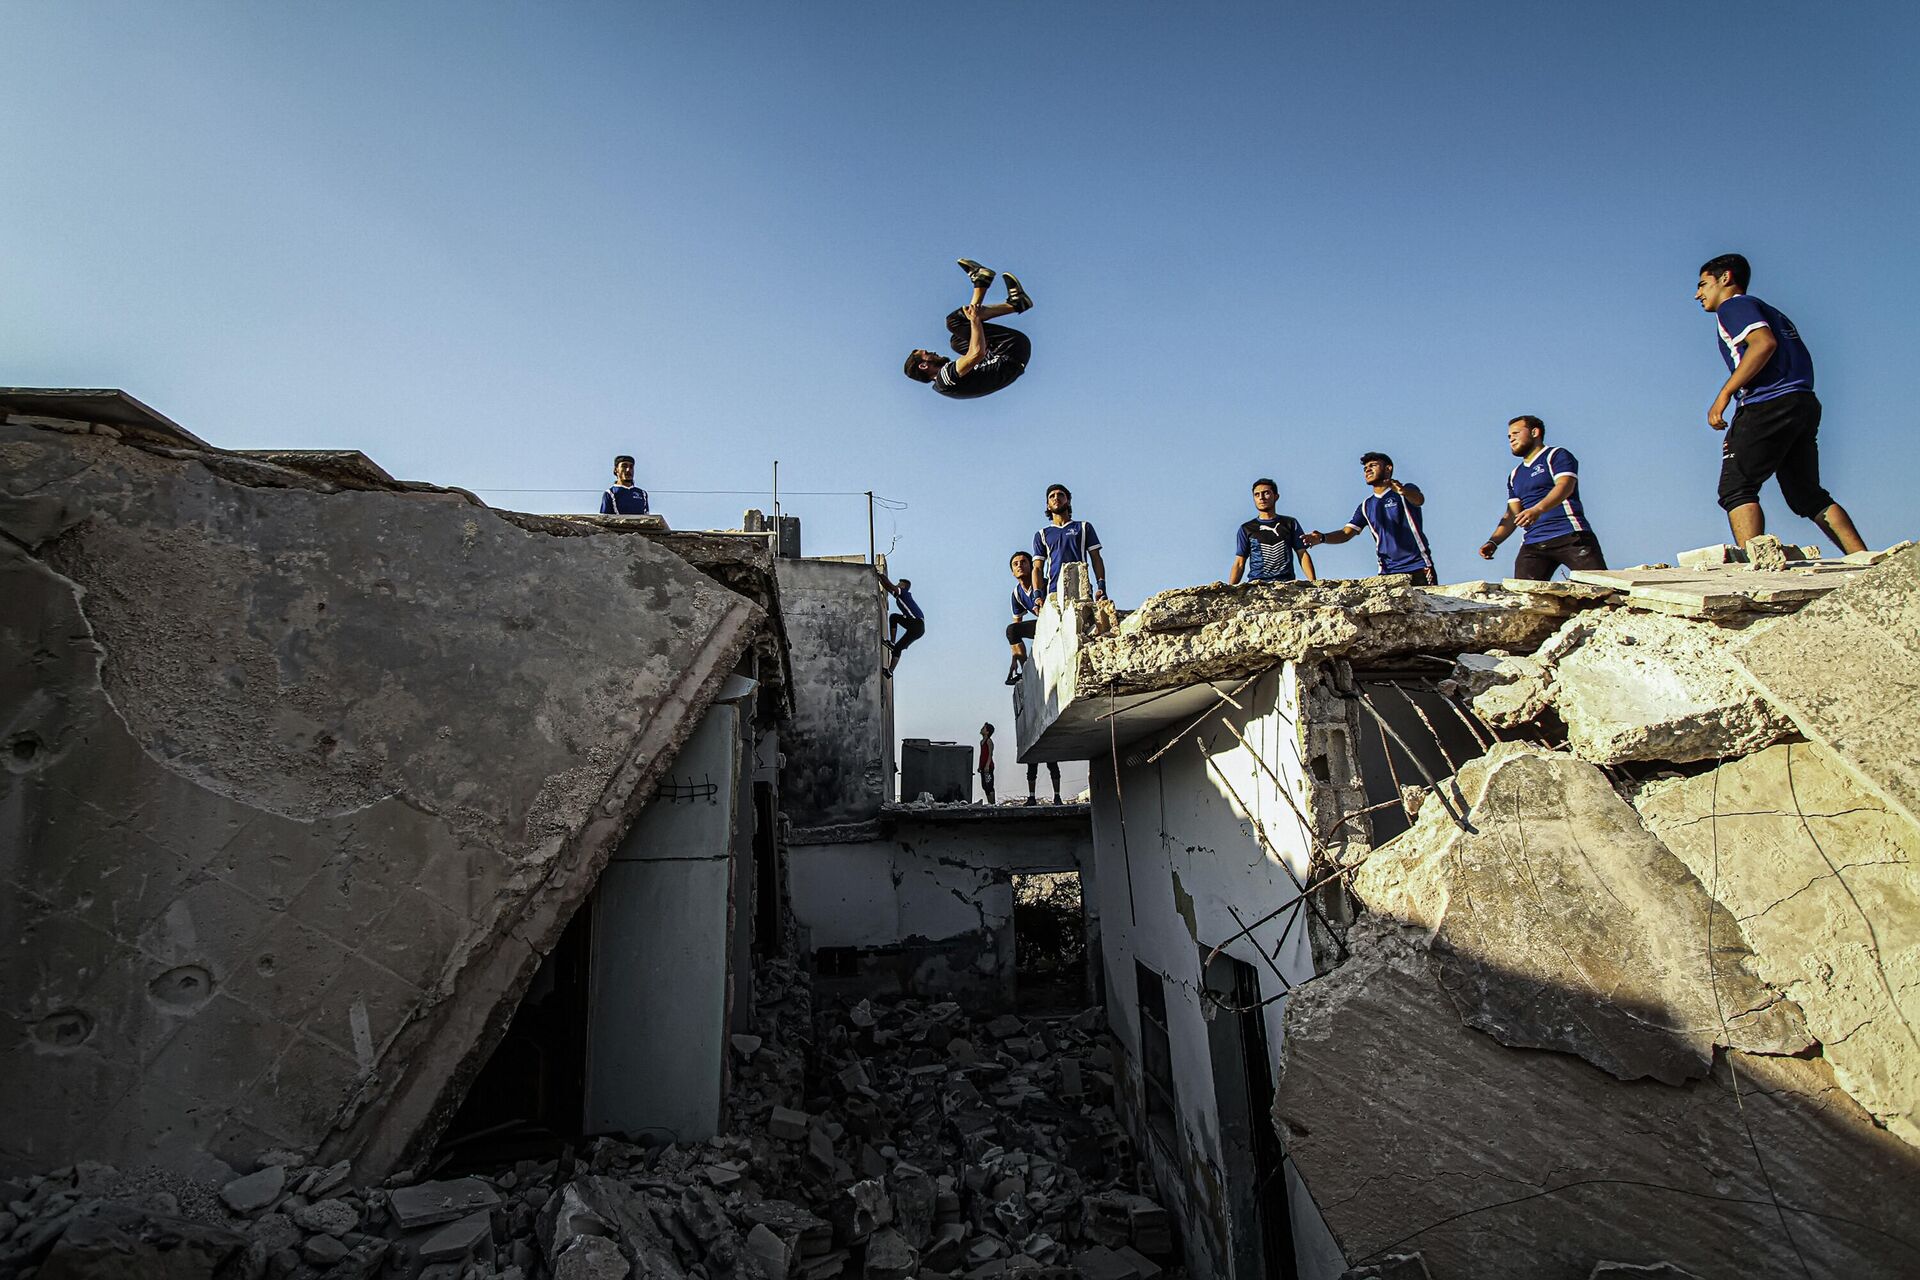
(936, 899)
(839, 743)
(1191, 855)
(300, 786)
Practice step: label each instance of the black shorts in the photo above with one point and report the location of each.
(1001, 341)
(1021, 630)
(1537, 560)
(1420, 577)
(1777, 437)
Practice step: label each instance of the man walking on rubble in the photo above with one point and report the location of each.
(1543, 498)
(991, 356)
(1776, 430)
(1264, 548)
(1392, 515)
(1062, 541)
(904, 627)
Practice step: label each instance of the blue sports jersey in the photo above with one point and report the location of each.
(1268, 547)
(907, 606)
(1399, 537)
(1531, 481)
(624, 500)
(1789, 369)
(1062, 544)
(1025, 602)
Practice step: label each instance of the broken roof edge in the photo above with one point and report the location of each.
(380, 1136)
(106, 406)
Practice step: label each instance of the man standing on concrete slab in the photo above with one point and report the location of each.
(624, 497)
(1026, 600)
(1062, 541)
(904, 627)
(1776, 431)
(986, 761)
(991, 356)
(1264, 547)
(1393, 516)
(1053, 772)
(1543, 498)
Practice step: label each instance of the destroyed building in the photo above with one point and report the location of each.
(398, 886)
(1522, 930)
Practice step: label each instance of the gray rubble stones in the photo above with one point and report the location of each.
(1005, 1027)
(788, 1124)
(329, 1217)
(426, 1203)
(255, 1191)
(771, 1252)
(890, 1257)
(323, 1250)
(591, 1258)
(457, 1239)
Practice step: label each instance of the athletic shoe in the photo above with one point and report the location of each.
(979, 275)
(1032, 801)
(1016, 296)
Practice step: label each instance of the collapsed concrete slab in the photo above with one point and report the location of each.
(1821, 878)
(302, 780)
(1847, 671)
(1557, 921)
(1418, 1120)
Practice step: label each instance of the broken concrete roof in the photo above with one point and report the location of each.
(102, 406)
(302, 782)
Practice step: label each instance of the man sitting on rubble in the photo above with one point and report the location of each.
(1062, 541)
(1026, 600)
(624, 497)
(1392, 516)
(1543, 498)
(1264, 548)
(986, 761)
(1776, 430)
(991, 356)
(904, 627)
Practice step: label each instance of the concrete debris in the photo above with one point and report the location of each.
(1847, 671)
(1392, 1266)
(1628, 1270)
(1724, 591)
(1820, 877)
(1559, 922)
(867, 1144)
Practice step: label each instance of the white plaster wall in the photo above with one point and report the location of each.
(1189, 858)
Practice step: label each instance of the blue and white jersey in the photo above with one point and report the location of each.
(1789, 369)
(1026, 602)
(1533, 480)
(1061, 544)
(907, 605)
(1399, 537)
(624, 500)
(1268, 546)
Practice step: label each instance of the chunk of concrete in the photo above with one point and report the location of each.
(426, 1203)
(105, 1239)
(591, 1258)
(1648, 1271)
(1824, 883)
(1559, 922)
(457, 1240)
(255, 1191)
(1394, 1266)
(352, 850)
(1846, 670)
(1650, 686)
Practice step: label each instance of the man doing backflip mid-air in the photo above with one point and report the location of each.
(991, 356)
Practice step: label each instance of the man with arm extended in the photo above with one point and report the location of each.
(1264, 548)
(1776, 431)
(1392, 514)
(1063, 540)
(991, 356)
(1543, 498)
(910, 623)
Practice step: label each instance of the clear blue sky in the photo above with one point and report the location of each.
(492, 245)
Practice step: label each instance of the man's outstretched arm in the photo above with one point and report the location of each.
(1333, 539)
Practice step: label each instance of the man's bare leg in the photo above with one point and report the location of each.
(1748, 521)
(1839, 526)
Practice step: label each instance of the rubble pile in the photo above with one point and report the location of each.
(878, 1141)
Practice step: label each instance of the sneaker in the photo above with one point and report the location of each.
(1013, 675)
(979, 275)
(1032, 801)
(1057, 799)
(1016, 295)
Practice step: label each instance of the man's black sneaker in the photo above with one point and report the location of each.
(1016, 296)
(979, 275)
(1032, 801)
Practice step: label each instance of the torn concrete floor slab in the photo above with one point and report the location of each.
(1823, 881)
(1414, 1132)
(1559, 922)
(1847, 672)
(1716, 591)
(300, 786)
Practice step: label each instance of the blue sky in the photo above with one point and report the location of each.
(492, 245)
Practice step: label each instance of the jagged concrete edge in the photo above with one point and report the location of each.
(402, 1130)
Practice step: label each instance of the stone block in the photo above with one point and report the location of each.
(255, 1191)
(426, 1203)
(1841, 666)
(1823, 880)
(459, 1239)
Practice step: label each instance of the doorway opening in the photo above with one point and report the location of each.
(1049, 942)
(1259, 1226)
